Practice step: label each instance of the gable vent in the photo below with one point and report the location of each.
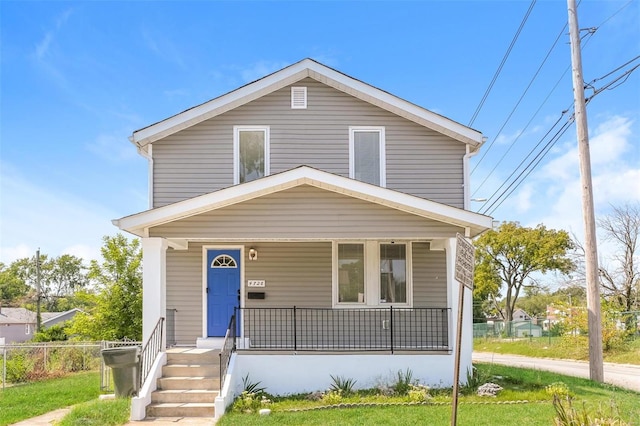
(298, 98)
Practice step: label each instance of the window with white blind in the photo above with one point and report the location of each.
(367, 154)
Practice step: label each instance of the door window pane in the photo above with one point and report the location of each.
(366, 156)
(251, 149)
(393, 273)
(351, 273)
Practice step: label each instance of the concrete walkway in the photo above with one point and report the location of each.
(54, 416)
(45, 419)
(166, 421)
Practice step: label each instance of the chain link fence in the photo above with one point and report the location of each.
(28, 362)
(627, 322)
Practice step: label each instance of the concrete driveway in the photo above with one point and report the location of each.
(623, 375)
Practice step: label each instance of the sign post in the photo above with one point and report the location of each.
(465, 262)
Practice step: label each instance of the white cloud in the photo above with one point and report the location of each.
(9, 254)
(33, 216)
(112, 147)
(615, 171)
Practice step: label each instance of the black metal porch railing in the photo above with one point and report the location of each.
(228, 347)
(365, 329)
(150, 351)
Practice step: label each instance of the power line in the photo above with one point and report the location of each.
(530, 168)
(504, 60)
(590, 31)
(518, 167)
(540, 156)
(513, 110)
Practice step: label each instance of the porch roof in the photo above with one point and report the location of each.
(139, 224)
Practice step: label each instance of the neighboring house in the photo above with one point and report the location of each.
(520, 315)
(324, 212)
(526, 329)
(19, 324)
(54, 318)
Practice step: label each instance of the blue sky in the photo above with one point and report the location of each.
(78, 77)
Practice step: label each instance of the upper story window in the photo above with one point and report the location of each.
(250, 153)
(367, 154)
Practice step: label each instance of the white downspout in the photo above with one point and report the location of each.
(466, 174)
(148, 154)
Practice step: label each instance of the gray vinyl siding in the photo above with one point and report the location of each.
(296, 274)
(199, 159)
(429, 277)
(184, 292)
(15, 333)
(305, 212)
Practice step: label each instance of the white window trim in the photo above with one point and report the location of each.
(371, 275)
(383, 160)
(236, 149)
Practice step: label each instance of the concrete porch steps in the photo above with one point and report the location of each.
(189, 384)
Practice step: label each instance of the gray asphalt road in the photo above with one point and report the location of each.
(623, 375)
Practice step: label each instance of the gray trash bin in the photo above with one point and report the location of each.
(125, 364)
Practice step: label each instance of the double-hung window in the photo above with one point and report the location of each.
(367, 154)
(250, 153)
(393, 273)
(372, 273)
(351, 273)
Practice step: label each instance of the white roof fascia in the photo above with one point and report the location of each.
(219, 105)
(292, 74)
(139, 223)
(395, 104)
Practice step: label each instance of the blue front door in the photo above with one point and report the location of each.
(223, 289)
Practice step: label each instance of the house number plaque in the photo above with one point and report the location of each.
(256, 283)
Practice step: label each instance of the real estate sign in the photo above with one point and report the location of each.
(465, 261)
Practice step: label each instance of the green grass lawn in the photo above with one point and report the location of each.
(543, 347)
(519, 384)
(24, 401)
(111, 412)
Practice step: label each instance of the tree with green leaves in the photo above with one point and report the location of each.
(60, 277)
(13, 289)
(508, 256)
(117, 313)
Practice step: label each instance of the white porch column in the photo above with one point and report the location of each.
(154, 285)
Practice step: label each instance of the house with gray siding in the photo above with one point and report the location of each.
(17, 325)
(305, 224)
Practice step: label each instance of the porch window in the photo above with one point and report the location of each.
(367, 154)
(351, 273)
(251, 153)
(372, 273)
(393, 273)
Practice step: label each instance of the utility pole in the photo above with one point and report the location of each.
(590, 244)
(38, 318)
